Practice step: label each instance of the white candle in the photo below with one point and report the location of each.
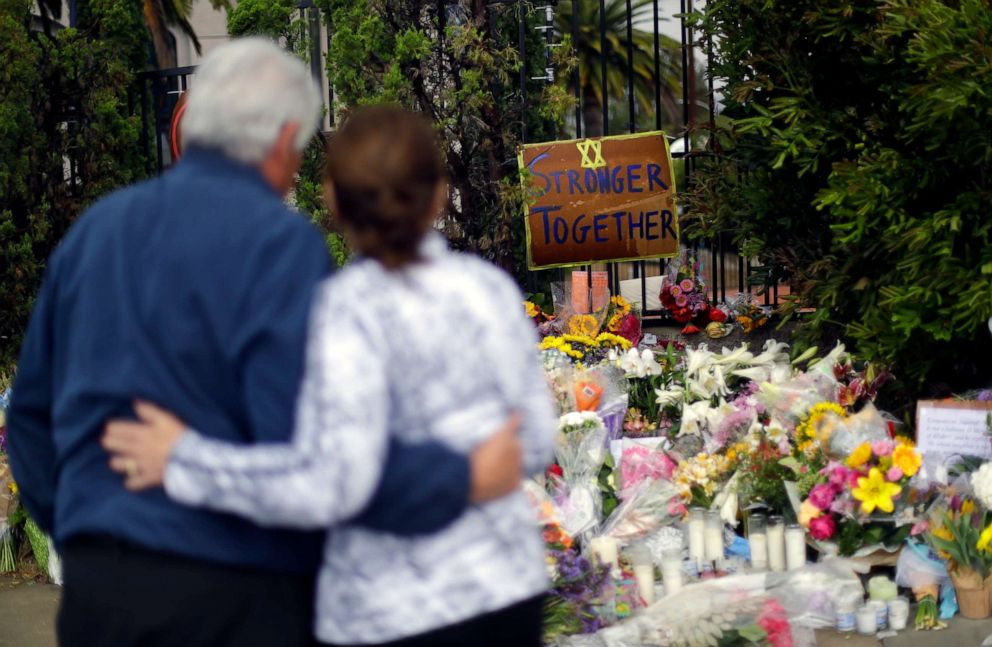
(605, 548)
(867, 623)
(795, 547)
(697, 541)
(671, 573)
(776, 547)
(644, 576)
(714, 544)
(759, 551)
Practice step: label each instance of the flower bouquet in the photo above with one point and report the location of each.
(960, 530)
(683, 294)
(853, 502)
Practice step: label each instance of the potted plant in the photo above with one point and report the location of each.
(962, 535)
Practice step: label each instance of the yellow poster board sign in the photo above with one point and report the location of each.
(601, 199)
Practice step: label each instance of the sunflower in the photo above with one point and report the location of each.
(585, 325)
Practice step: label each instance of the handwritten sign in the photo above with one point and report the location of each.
(602, 199)
(953, 428)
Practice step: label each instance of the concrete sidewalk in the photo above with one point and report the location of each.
(27, 619)
(27, 613)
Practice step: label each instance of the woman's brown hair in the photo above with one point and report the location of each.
(385, 167)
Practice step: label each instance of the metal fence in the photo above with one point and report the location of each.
(725, 270)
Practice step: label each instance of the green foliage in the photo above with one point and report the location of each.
(854, 159)
(465, 80)
(65, 140)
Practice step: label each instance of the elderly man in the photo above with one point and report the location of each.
(194, 288)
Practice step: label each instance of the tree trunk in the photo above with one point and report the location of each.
(592, 115)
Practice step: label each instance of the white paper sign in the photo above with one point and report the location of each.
(953, 428)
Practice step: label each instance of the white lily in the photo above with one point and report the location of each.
(650, 362)
(773, 353)
(696, 359)
(757, 374)
(670, 397)
(826, 365)
(739, 355)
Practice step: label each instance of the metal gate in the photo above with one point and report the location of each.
(725, 271)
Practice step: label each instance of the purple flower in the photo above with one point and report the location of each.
(822, 495)
(985, 396)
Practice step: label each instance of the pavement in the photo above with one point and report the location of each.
(27, 619)
(27, 613)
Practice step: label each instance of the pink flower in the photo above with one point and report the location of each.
(852, 478)
(640, 464)
(836, 474)
(919, 528)
(784, 448)
(676, 509)
(822, 528)
(882, 447)
(675, 291)
(822, 495)
(681, 301)
(894, 474)
(775, 622)
(686, 285)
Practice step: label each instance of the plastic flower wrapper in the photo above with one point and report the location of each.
(580, 450)
(604, 386)
(789, 402)
(926, 574)
(575, 318)
(650, 506)
(558, 371)
(640, 464)
(866, 426)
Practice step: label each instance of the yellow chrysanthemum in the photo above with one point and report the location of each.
(585, 340)
(874, 491)
(984, 539)
(905, 440)
(532, 310)
(907, 459)
(585, 325)
(860, 455)
(606, 339)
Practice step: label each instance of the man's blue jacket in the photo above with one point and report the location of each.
(191, 290)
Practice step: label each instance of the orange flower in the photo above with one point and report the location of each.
(906, 459)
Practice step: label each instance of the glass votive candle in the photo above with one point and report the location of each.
(757, 539)
(776, 543)
(713, 535)
(795, 547)
(697, 536)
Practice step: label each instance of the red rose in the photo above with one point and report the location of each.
(718, 315)
(555, 470)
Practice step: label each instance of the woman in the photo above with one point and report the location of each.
(410, 340)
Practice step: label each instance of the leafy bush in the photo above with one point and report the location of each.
(66, 138)
(854, 157)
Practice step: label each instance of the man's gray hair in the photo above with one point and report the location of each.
(243, 94)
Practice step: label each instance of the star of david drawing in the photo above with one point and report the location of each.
(594, 147)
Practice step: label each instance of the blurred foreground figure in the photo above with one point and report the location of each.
(194, 289)
(410, 341)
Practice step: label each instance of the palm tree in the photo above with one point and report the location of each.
(159, 16)
(589, 50)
